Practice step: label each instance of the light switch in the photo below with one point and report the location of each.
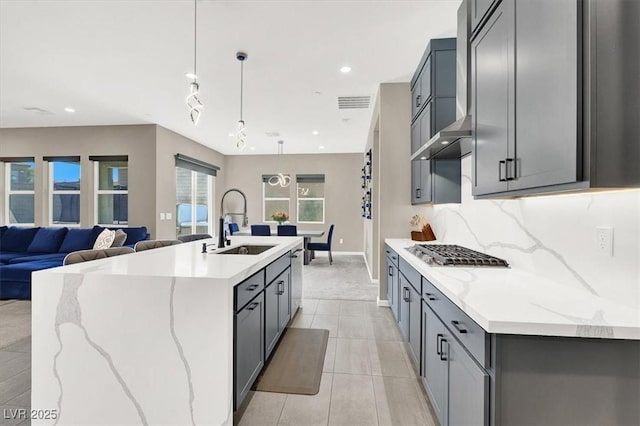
(169, 216)
(162, 216)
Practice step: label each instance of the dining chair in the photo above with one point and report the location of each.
(313, 247)
(87, 255)
(287, 231)
(261, 230)
(154, 244)
(233, 228)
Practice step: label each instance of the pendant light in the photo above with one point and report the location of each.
(241, 135)
(280, 179)
(192, 100)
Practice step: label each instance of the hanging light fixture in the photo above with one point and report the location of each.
(193, 102)
(241, 135)
(280, 179)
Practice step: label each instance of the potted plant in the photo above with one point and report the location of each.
(280, 217)
(424, 231)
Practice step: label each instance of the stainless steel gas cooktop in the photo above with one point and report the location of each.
(454, 255)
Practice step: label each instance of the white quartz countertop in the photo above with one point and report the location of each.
(186, 260)
(514, 301)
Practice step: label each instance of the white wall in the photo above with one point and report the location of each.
(342, 190)
(553, 236)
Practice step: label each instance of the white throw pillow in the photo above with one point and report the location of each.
(104, 240)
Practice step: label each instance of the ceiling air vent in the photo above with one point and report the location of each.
(353, 102)
(37, 110)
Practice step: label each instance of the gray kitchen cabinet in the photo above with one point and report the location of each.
(248, 347)
(435, 181)
(492, 86)
(468, 387)
(421, 181)
(297, 259)
(414, 336)
(434, 365)
(415, 135)
(277, 310)
(416, 98)
(479, 8)
(392, 287)
(403, 305)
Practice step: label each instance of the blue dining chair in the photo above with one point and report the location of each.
(261, 230)
(287, 231)
(323, 246)
(233, 228)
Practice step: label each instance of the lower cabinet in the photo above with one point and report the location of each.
(277, 310)
(434, 364)
(392, 287)
(415, 325)
(403, 305)
(249, 327)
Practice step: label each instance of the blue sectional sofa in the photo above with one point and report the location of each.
(24, 250)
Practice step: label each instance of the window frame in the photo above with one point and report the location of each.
(194, 192)
(324, 205)
(8, 192)
(264, 203)
(97, 192)
(53, 192)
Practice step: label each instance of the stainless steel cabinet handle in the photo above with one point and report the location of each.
(294, 255)
(280, 286)
(252, 306)
(407, 294)
(390, 271)
(500, 164)
(438, 337)
(418, 101)
(430, 296)
(418, 191)
(443, 356)
(458, 327)
(252, 287)
(506, 169)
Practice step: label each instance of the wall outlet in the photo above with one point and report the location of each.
(341, 241)
(162, 216)
(169, 216)
(604, 240)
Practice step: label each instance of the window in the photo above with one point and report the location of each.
(19, 207)
(194, 196)
(64, 190)
(112, 190)
(310, 198)
(275, 199)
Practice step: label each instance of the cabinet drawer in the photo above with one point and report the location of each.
(248, 289)
(413, 276)
(276, 268)
(470, 334)
(391, 254)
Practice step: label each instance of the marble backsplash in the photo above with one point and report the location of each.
(551, 236)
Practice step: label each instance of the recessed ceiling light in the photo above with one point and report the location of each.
(69, 109)
(191, 76)
(232, 134)
(444, 142)
(253, 148)
(315, 132)
(318, 92)
(321, 147)
(423, 158)
(345, 69)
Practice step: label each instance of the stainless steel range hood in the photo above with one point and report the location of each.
(454, 141)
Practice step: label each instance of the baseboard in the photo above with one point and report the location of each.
(383, 302)
(347, 253)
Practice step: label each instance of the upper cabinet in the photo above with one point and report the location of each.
(536, 123)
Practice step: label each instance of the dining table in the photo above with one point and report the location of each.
(305, 234)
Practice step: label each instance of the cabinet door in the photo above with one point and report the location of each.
(415, 135)
(249, 347)
(405, 297)
(426, 124)
(416, 182)
(390, 274)
(425, 81)
(297, 259)
(478, 9)
(492, 81)
(416, 98)
(426, 186)
(284, 305)
(546, 94)
(271, 323)
(434, 368)
(468, 387)
(415, 326)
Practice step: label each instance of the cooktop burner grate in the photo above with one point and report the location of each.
(454, 255)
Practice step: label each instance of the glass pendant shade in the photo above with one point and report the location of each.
(241, 135)
(194, 103)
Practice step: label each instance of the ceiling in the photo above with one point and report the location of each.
(124, 62)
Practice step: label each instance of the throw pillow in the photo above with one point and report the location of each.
(104, 240)
(119, 239)
(47, 240)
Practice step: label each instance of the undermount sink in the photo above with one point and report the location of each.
(245, 249)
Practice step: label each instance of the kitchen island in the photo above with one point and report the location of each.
(148, 338)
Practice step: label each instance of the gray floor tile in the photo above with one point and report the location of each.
(13, 363)
(15, 386)
(302, 321)
(352, 356)
(264, 409)
(22, 400)
(385, 328)
(309, 306)
(371, 309)
(308, 409)
(388, 359)
(352, 401)
(328, 307)
(355, 327)
(23, 345)
(398, 402)
(327, 322)
(353, 308)
(330, 356)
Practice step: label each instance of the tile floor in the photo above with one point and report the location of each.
(15, 382)
(368, 378)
